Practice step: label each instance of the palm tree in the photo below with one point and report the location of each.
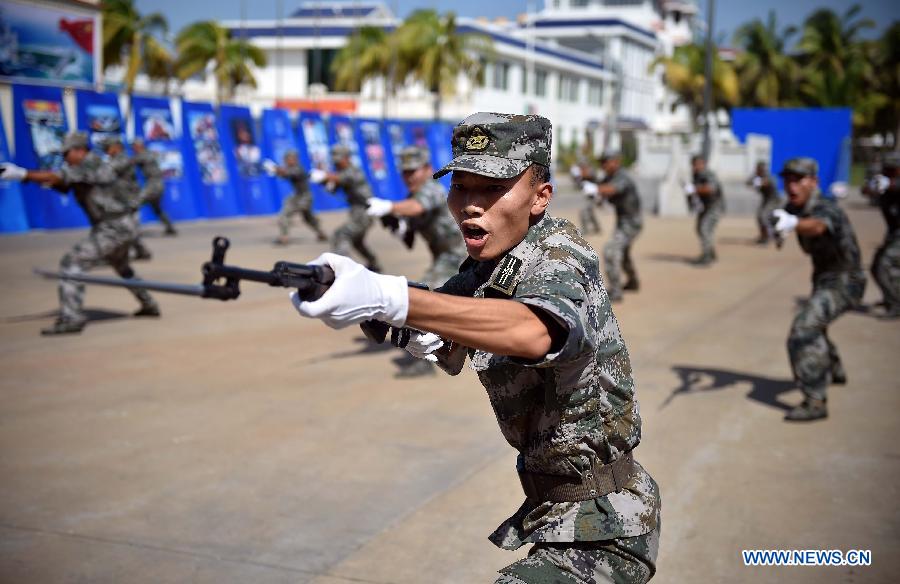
(431, 50)
(206, 42)
(366, 55)
(129, 38)
(684, 75)
(767, 75)
(835, 65)
(887, 117)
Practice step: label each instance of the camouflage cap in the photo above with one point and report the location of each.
(499, 145)
(111, 140)
(891, 160)
(75, 140)
(339, 151)
(290, 152)
(414, 158)
(137, 142)
(801, 167)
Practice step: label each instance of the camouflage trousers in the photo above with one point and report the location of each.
(706, 229)
(886, 271)
(763, 214)
(617, 255)
(351, 235)
(298, 204)
(152, 195)
(626, 560)
(814, 358)
(445, 266)
(107, 244)
(588, 218)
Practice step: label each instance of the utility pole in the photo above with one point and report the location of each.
(708, 73)
(279, 64)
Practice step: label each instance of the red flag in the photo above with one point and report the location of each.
(81, 31)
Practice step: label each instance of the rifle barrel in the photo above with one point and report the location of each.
(131, 283)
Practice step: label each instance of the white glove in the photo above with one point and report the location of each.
(422, 345)
(270, 167)
(379, 207)
(357, 295)
(786, 222)
(757, 181)
(590, 189)
(689, 188)
(317, 175)
(882, 183)
(9, 171)
(402, 228)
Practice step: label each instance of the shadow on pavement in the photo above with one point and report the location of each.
(746, 241)
(670, 257)
(368, 347)
(764, 390)
(93, 315)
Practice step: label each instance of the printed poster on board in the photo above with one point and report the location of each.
(205, 163)
(314, 153)
(243, 155)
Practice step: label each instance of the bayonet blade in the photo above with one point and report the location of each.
(131, 283)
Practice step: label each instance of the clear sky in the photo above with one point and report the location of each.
(729, 13)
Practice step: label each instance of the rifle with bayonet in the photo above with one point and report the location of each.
(222, 282)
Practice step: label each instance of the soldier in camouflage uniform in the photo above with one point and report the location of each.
(147, 162)
(355, 186)
(582, 174)
(707, 191)
(886, 264)
(530, 307)
(618, 188)
(300, 201)
(113, 227)
(127, 184)
(825, 233)
(762, 182)
(425, 208)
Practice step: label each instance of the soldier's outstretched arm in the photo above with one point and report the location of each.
(502, 327)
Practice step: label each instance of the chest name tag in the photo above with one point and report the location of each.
(506, 279)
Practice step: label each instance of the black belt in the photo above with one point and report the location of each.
(600, 481)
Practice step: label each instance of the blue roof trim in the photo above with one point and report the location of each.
(595, 22)
(537, 47)
(334, 12)
(310, 31)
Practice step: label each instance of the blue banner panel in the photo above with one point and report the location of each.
(153, 123)
(823, 134)
(205, 161)
(99, 116)
(13, 217)
(433, 136)
(49, 43)
(278, 138)
(40, 121)
(243, 156)
(312, 137)
(378, 157)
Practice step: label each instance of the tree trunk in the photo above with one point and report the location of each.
(437, 106)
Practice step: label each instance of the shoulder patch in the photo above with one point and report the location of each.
(507, 275)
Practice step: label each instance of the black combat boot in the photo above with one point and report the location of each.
(632, 285)
(148, 310)
(64, 327)
(811, 409)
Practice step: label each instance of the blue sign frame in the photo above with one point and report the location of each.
(312, 138)
(205, 161)
(13, 217)
(243, 155)
(154, 123)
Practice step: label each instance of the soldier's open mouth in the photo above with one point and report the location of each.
(476, 233)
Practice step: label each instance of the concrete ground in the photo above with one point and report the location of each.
(237, 442)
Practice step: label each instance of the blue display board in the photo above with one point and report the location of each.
(378, 157)
(99, 115)
(13, 217)
(278, 138)
(436, 138)
(40, 124)
(153, 123)
(822, 134)
(312, 138)
(243, 157)
(205, 162)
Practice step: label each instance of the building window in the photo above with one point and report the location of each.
(568, 88)
(595, 93)
(524, 80)
(500, 76)
(540, 83)
(319, 63)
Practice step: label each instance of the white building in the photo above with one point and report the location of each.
(585, 64)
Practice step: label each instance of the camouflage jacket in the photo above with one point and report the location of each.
(715, 198)
(574, 406)
(298, 178)
(94, 184)
(626, 200)
(126, 176)
(889, 201)
(436, 225)
(766, 189)
(148, 162)
(356, 187)
(836, 251)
